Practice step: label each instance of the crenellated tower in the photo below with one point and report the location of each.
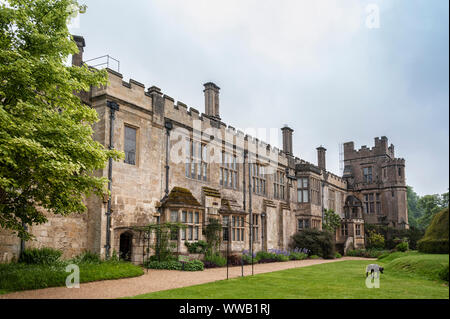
(378, 179)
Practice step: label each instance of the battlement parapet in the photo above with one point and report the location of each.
(395, 161)
(131, 91)
(380, 148)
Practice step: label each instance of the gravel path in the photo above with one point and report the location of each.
(156, 280)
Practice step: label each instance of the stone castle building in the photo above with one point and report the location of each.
(183, 165)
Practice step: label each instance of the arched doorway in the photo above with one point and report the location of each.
(125, 247)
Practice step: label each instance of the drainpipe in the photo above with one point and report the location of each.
(250, 209)
(168, 125)
(113, 106)
(243, 175)
(321, 202)
(22, 241)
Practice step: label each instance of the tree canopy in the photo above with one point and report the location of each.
(47, 153)
(331, 221)
(422, 209)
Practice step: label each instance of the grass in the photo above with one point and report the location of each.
(338, 280)
(424, 265)
(17, 276)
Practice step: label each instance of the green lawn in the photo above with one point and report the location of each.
(415, 263)
(341, 280)
(17, 276)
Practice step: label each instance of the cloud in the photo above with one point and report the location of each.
(289, 33)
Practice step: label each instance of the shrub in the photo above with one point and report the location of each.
(403, 246)
(265, 257)
(215, 259)
(367, 253)
(193, 265)
(314, 257)
(281, 257)
(337, 255)
(198, 247)
(297, 256)
(443, 274)
(375, 240)
(208, 264)
(435, 240)
(40, 256)
(169, 265)
(247, 258)
(433, 246)
(168, 258)
(412, 234)
(317, 242)
(235, 260)
(262, 254)
(88, 257)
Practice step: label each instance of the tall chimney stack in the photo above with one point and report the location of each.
(77, 58)
(287, 140)
(212, 100)
(321, 157)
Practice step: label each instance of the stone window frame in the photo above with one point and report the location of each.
(237, 228)
(344, 230)
(368, 178)
(368, 200)
(279, 185)
(304, 222)
(314, 186)
(331, 199)
(230, 168)
(256, 219)
(195, 158)
(225, 230)
(259, 178)
(182, 216)
(378, 203)
(301, 189)
(136, 139)
(357, 229)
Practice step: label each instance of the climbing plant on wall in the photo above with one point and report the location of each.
(165, 235)
(212, 232)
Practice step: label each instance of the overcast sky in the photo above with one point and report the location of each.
(314, 65)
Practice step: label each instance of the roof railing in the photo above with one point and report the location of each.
(104, 61)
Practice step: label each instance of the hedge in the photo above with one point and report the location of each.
(193, 265)
(435, 240)
(433, 246)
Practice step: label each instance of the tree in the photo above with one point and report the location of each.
(422, 209)
(331, 221)
(316, 241)
(47, 153)
(430, 205)
(414, 212)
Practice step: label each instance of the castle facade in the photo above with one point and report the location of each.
(186, 166)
